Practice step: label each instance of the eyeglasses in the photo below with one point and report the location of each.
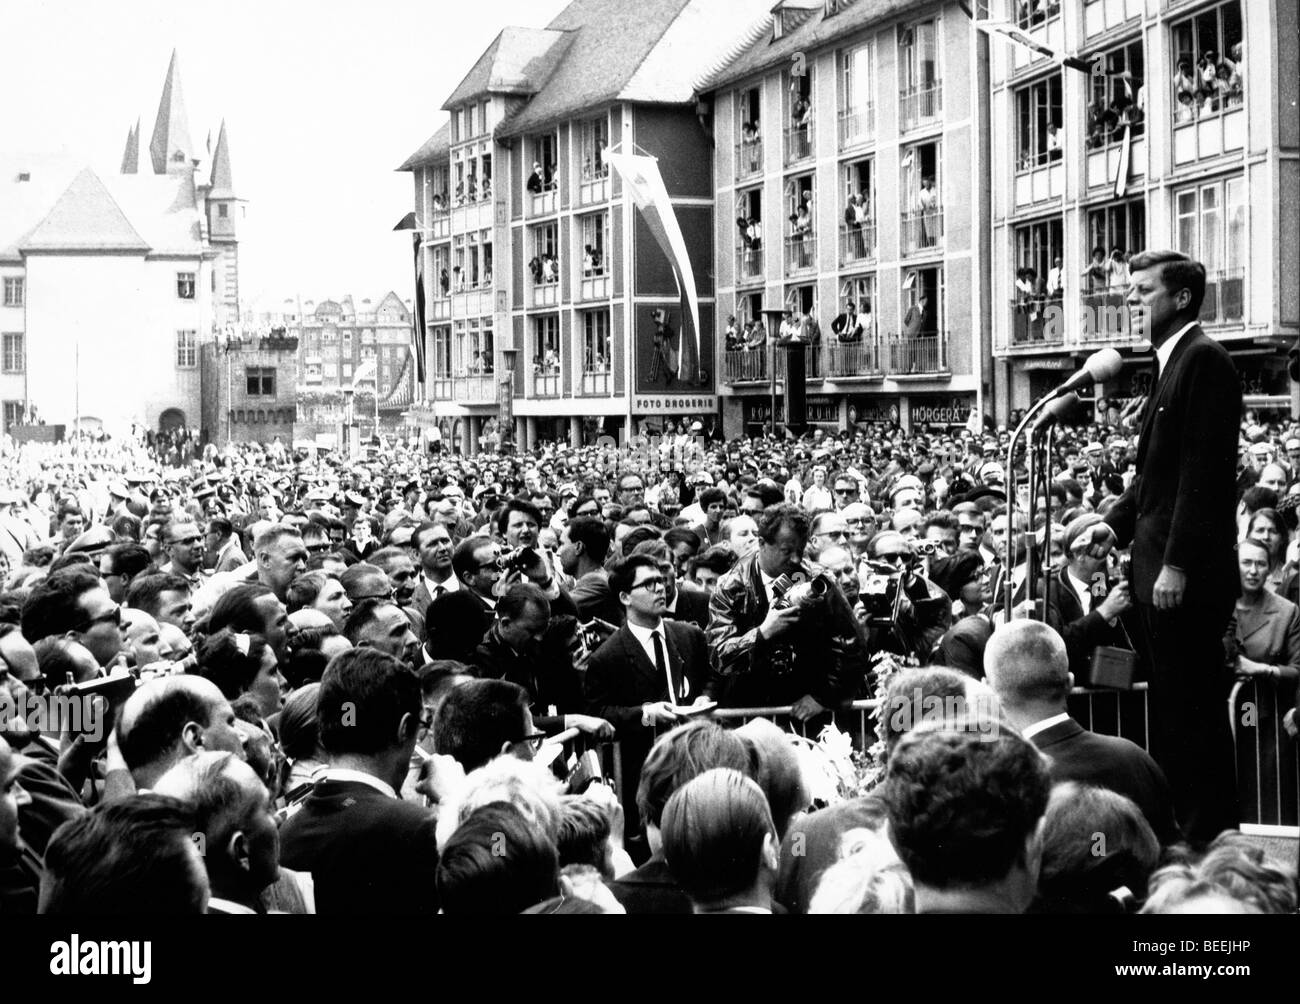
(534, 740)
(113, 617)
(186, 541)
(846, 491)
(320, 548)
(655, 582)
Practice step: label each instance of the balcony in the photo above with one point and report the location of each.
(440, 225)
(749, 159)
(1037, 323)
(741, 366)
(594, 285)
(857, 126)
(1209, 129)
(922, 231)
(546, 384)
(1225, 298)
(920, 106)
(749, 265)
(477, 388)
(545, 294)
(596, 383)
(594, 188)
(543, 203)
(440, 308)
(442, 388)
(798, 143)
(917, 355)
(1105, 319)
(1104, 15)
(853, 360)
(857, 243)
(800, 253)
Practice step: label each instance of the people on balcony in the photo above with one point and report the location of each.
(732, 339)
(550, 269)
(440, 203)
(1117, 269)
(1056, 279)
(755, 334)
(1097, 274)
(847, 327)
(444, 282)
(458, 278)
(928, 206)
(536, 180)
(1186, 89)
(593, 263)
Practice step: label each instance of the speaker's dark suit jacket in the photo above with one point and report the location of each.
(367, 853)
(1113, 763)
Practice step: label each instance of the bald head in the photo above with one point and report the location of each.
(171, 717)
(1026, 664)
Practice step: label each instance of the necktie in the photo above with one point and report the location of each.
(661, 665)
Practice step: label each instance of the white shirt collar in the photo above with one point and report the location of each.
(1044, 725)
(359, 777)
(1167, 349)
(1081, 589)
(228, 906)
(449, 586)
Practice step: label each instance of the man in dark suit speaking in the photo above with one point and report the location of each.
(1178, 516)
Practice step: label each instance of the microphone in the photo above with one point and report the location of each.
(1059, 410)
(1100, 367)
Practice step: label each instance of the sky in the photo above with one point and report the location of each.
(323, 100)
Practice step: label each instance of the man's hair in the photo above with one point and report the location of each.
(496, 863)
(231, 660)
(682, 754)
(963, 804)
(355, 574)
(168, 704)
(623, 572)
(766, 493)
(386, 557)
(519, 598)
(655, 549)
(316, 530)
(365, 613)
(72, 559)
(1232, 867)
(585, 826)
(714, 827)
(53, 655)
(130, 857)
(424, 528)
(237, 609)
(303, 590)
(363, 696)
(774, 517)
(911, 692)
(1078, 871)
(221, 526)
(145, 592)
(438, 677)
(272, 536)
(477, 718)
(943, 520)
(715, 559)
(126, 526)
(462, 559)
(128, 560)
(1026, 663)
(681, 535)
(518, 505)
(54, 606)
(219, 802)
(592, 534)
(183, 519)
(1177, 272)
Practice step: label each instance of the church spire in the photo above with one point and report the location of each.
(170, 148)
(131, 155)
(223, 187)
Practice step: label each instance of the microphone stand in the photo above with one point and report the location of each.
(1025, 423)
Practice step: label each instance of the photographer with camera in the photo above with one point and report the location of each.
(906, 610)
(518, 524)
(780, 633)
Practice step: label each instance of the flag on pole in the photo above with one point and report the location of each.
(366, 371)
(409, 222)
(646, 186)
(1015, 34)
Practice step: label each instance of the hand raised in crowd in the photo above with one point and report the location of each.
(590, 725)
(1118, 601)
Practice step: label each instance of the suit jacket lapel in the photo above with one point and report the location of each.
(675, 666)
(637, 657)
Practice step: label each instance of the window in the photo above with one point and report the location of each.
(260, 381)
(546, 356)
(187, 348)
(13, 291)
(13, 414)
(857, 96)
(749, 135)
(1032, 13)
(481, 347)
(1038, 124)
(545, 163)
(594, 143)
(1207, 55)
(858, 308)
(595, 342)
(1115, 233)
(801, 239)
(595, 237)
(223, 211)
(347, 371)
(1118, 96)
(749, 237)
(1211, 227)
(185, 285)
(441, 362)
(922, 344)
(15, 360)
(544, 266)
(799, 113)
(858, 213)
(923, 207)
(922, 93)
(1038, 285)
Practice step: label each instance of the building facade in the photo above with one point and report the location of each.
(849, 178)
(113, 281)
(250, 388)
(1184, 135)
(539, 272)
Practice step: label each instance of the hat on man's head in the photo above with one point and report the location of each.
(93, 542)
(1094, 447)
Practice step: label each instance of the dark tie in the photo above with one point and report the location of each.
(661, 665)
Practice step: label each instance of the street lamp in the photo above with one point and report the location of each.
(506, 400)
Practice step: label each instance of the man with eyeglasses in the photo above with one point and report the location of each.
(184, 546)
(925, 612)
(829, 529)
(631, 490)
(649, 670)
(860, 524)
(845, 491)
(75, 603)
(774, 653)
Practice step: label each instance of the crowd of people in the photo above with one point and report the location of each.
(384, 685)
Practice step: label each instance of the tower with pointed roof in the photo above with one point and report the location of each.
(223, 211)
(170, 148)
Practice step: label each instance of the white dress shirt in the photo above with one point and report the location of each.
(451, 585)
(644, 637)
(1167, 348)
(1044, 725)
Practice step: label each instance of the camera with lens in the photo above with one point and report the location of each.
(518, 560)
(880, 589)
(927, 548)
(800, 594)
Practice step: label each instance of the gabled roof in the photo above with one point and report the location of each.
(223, 186)
(815, 30)
(30, 183)
(436, 150)
(85, 218)
(519, 61)
(163, 209)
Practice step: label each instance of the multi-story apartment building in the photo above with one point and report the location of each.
(114, 280)
(536, 260)
(849, 176)
(1183, 136)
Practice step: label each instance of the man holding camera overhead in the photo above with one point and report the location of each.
(912, 623)
(779, 634)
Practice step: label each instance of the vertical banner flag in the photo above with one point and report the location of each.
(646, 186)
(409, 222)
